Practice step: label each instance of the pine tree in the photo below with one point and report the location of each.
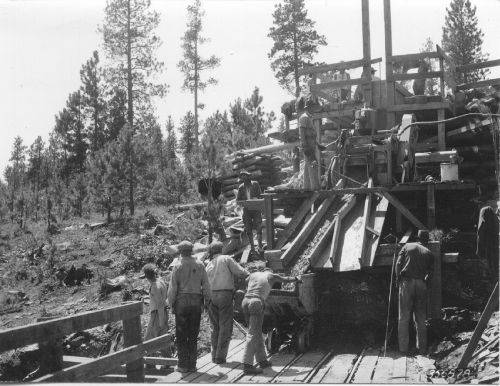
(193, 64)
(262, 121)
(171, 141)
(187, 143)
(117, 113)
(295, 43)
(70, 127)
(94, 106)
(431, 85)
(35, 171)
(463, 39)
(15, 176)
(131, 43)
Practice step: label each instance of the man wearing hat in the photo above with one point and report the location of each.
(308, 143)
(252, 219)
(222, 271)
(189, 289)
(413, 269)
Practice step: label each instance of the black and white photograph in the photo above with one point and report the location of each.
(249, 191)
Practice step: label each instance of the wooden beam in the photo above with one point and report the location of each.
(336, 232)
(404, 211)
(421, 106)
(268, 210)
(363, 190)
(365, 26)
(412, 57)
(477, 66)
(39, 332)
(441, 130)
(253, 204)
(377, 222)
(431, 206)
(338, 84)
(435, 293)
(444, 55)
(391, 117)
(305, 232)
(266, 149)
(417, 75)
(482, 83)
(85, 371)
(303, 210)
(435, 157)
(159, 361)
(132, 336)
(337, 66)
(449, 185)
(366, 217)
(491, 307)
(322, 243)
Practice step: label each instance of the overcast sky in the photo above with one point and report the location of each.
(43, 44)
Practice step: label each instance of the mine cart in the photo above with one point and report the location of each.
(289, 315)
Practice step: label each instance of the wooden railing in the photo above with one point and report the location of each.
(52, 330)
(478, 66)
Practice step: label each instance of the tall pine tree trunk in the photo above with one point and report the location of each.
(296, 65)
(196, 92)
(130, 113)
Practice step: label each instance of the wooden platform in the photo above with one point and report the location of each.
(316, 366)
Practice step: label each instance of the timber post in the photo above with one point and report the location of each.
(434, 294)
(268, 210)
(391, 116)
(131, 336)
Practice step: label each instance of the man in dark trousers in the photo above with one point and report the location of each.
(252, 219)
(222, 270)
(413, 270)
(188, 291)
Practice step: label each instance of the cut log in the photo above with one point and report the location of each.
(435, 157)
(366, 218)
(267, 149)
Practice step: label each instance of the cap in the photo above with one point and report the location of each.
(215, 247)
(423, 235)
(185, 246)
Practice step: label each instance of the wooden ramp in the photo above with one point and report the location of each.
(317, 366)
(358, 237)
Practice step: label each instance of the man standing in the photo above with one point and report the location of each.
(345, 91)
(252, 219)
(308, 143)
(158, 319)
(259, 287)
(188, 289)
(413, 270)
(221, 271)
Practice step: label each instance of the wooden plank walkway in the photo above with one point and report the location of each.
(316, 366)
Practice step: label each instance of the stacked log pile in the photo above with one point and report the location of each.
(265, 169)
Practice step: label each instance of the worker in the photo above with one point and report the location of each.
(258, 289)
(413, 270)
(487, 238)
(419, 84)
(296, 159)
(252, 219)
(188, 292)
(309, 144)
(222, 271)
(158, 312)
(345, 91)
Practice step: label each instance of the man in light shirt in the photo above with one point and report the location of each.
(252, 219)
(221, 271)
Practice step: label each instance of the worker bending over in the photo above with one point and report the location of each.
(252, 219)
(188, 291)
(413, 270)
(258, 289)
(221, 271)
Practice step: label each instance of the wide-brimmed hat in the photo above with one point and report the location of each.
(245, 173)
(423, 235)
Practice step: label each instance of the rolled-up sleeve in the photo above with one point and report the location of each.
(236, 269)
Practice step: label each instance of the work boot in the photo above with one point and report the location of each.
(264, 364)
(219, 361)
(251, 370)
(181, 369)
